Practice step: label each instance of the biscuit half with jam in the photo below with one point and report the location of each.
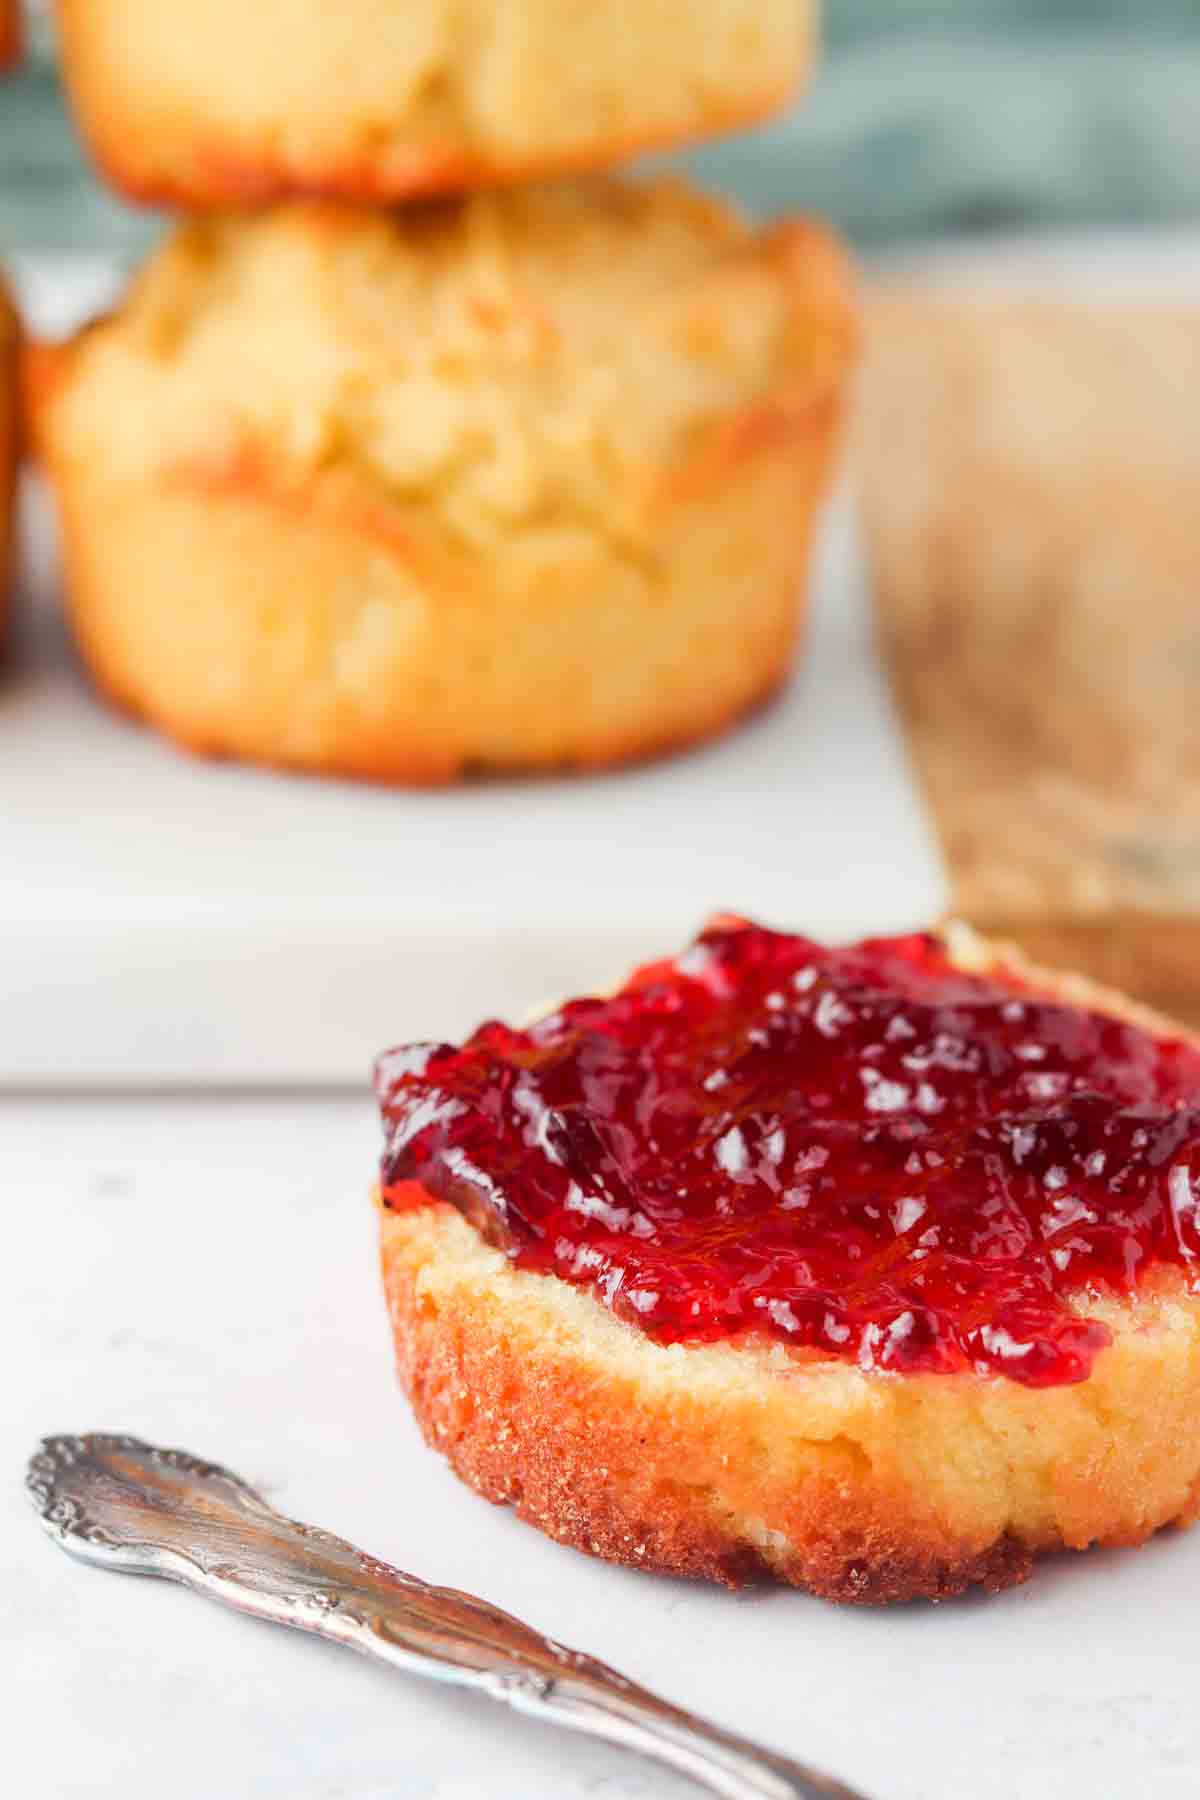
(870, 1269)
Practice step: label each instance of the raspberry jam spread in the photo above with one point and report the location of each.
(860, 1151)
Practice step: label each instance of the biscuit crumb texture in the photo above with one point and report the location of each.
(370, 100)
(744, 1460)
(523, 481)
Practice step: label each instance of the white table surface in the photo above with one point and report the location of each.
(201, 1272)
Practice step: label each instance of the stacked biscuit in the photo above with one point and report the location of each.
(406, 471)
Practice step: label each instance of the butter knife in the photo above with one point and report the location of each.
(126, 1505)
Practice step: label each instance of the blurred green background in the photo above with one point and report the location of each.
(927, 118)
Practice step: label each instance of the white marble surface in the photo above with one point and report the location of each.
(201, 1272)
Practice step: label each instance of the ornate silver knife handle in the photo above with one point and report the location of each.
(127, 1505)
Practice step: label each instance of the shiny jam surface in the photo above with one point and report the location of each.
(860, 1151)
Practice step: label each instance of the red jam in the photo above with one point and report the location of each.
(862, 1152)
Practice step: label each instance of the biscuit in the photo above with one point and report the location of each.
(222, 104)
(718, 1462)
(526, 481)
(749, 1456)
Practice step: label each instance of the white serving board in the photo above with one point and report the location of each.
(168, 920)
(203, 1273)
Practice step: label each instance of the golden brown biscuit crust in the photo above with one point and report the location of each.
(303, 615)
(228, 676)
(384, 104)
(734, 1461)
(221, 172)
